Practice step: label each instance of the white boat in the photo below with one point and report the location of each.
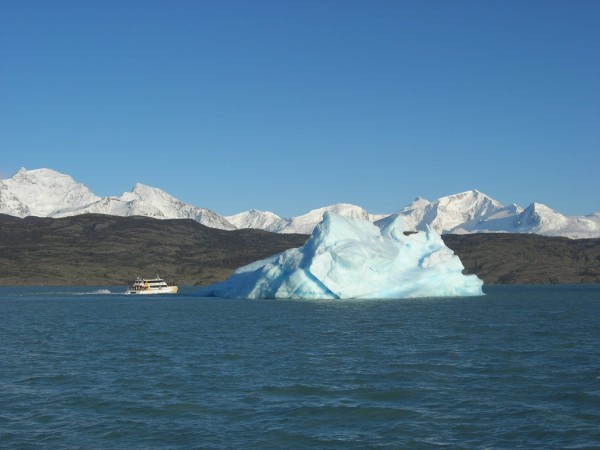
(151, 286)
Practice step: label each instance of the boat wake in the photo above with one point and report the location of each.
(98, 292)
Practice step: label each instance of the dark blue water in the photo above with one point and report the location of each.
(517, 368)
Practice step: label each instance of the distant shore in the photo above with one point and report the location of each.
(100, 250)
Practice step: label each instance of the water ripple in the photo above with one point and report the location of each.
(518, 368)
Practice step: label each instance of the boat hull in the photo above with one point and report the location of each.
(149, 291)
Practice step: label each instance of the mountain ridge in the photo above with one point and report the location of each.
(48, 193)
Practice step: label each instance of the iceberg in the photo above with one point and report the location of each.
(347, 258)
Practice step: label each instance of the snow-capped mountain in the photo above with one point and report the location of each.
(498, 221)
(417, 203)
(47, 193)
(446, 213)
(264, 220)
(40, 192)
(305, 223)
(150, 202)
(539, 219)
(475, 212)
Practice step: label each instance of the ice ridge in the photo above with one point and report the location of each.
(348, 258)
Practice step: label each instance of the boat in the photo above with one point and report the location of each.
(151, 286)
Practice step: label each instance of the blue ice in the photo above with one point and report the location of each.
(351, 258)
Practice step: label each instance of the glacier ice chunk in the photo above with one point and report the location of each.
(354, 258)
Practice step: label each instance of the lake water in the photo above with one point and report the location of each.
(91, 368)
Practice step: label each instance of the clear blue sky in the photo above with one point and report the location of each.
(292, 105)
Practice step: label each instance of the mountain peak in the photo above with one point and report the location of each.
(48, 193)
(253, 218)
(452, 211)
(45, 190)
(41, 173)
(540, 219)
(140, 188)
(539, 207)
(473, 193)
(418, 202)
(149, 194)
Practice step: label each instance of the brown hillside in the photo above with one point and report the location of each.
(109, 250)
